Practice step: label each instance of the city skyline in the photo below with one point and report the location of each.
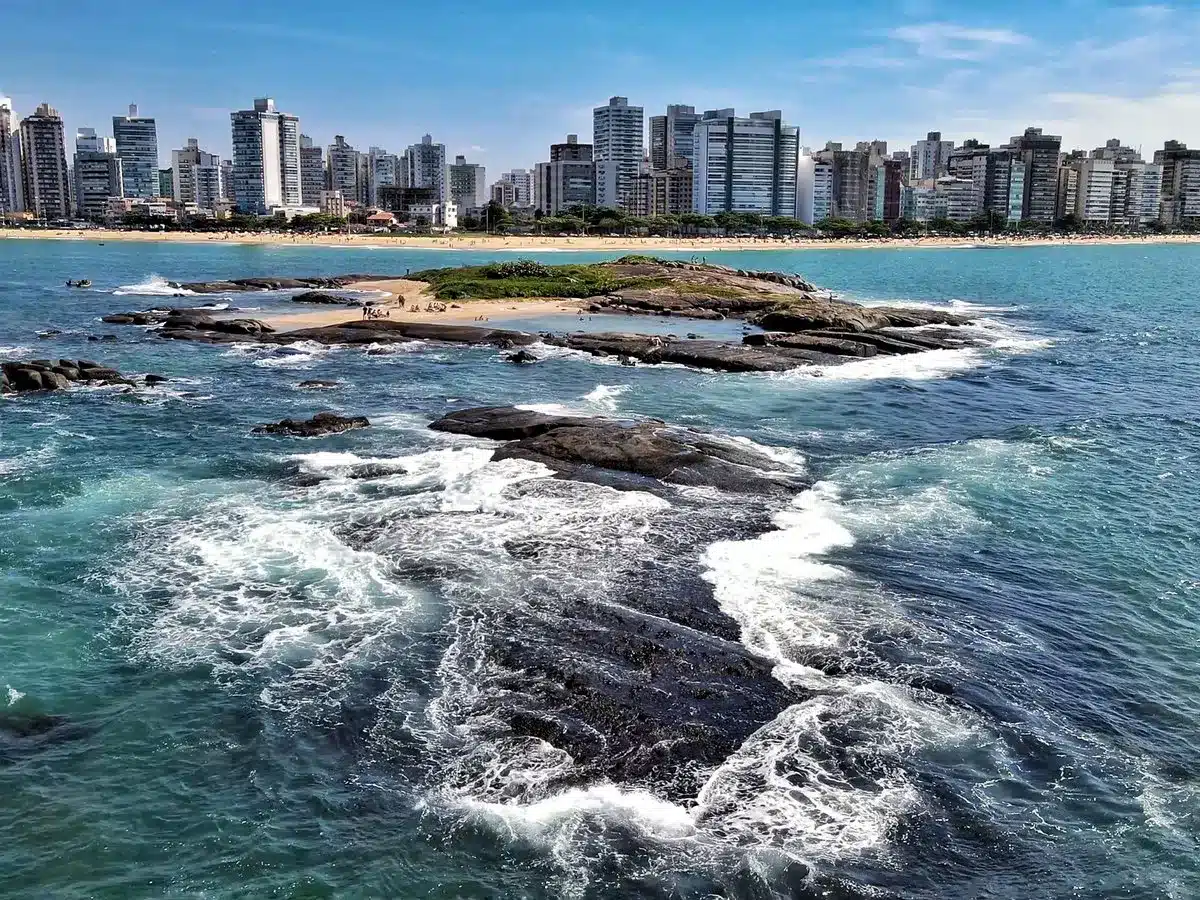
(883, 71)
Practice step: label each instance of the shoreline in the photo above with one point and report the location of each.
(534, 244)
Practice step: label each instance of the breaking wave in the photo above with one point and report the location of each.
(151, 286)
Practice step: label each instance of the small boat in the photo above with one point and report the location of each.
(81, 283)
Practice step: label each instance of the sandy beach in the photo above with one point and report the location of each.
(534, 243)
(416, 307)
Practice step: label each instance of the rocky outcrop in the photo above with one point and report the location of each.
(325, 298)
(45, 375)
(722, 356)
(317, 384)
(832, 315)
(320, 424)
(273, 283)
(521, 357)
(576, 445)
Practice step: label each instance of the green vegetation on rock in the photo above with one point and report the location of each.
(527, 278)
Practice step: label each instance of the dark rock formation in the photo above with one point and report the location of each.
(44, 375)
(724, 356)
(236, 285)
(521, 357)
(321, 423)
(317, 384)
(157, 379)
(325, 298)
(833, 315)
(571, 445)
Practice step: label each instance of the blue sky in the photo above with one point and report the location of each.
(500, 81)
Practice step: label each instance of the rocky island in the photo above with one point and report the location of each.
(788, 323)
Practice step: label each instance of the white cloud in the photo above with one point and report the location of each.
(946, 40)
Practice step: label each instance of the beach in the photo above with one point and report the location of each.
(536, 243)
(419, 306)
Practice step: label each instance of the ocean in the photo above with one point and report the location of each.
(963, 663)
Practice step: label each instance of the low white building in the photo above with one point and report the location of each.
(436, 215)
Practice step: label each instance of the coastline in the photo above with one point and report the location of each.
(533, 243)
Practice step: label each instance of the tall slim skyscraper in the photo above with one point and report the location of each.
(266, 158)
(1040, 153)
(745, 165)
(44, 164)
(12, 193)
(467, 186)
(137, 145)
(618, 142)
(671, 137)
(312, 171)
(344, 169)
(850, 197)
(425, 167)
(196, 176)
(97, 174)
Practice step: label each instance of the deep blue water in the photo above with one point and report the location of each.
(987, 603)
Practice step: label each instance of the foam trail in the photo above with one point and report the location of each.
(14, 696)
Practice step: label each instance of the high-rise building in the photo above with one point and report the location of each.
(44, 164)
(1094, 191)
(137, 145)
(227, 180)
(889, 178)
(618, 141)
(1068, 189)
(970, 162)
(745, 165)
(12, 192)
(467, 185)
(672, 137)
(567, 180)
(851, 170)
(97, 174)
(814, 188)
(382, 170)
(166, 181)
(196, 176)
(312, 172)
(1039, 152)
(521, 190)
(266, 158)
(930, 157)
(425, 167)
(344, 169)
(1180, 193)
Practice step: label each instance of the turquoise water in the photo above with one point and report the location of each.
(291, 668)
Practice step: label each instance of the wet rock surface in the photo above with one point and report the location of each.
(573, 446)
(321, 424)
(49, 375)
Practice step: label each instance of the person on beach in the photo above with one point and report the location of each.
(364, 310)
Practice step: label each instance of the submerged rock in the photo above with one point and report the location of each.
(650, 449)
(317, 384)
(320, 424)
(521, 357)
